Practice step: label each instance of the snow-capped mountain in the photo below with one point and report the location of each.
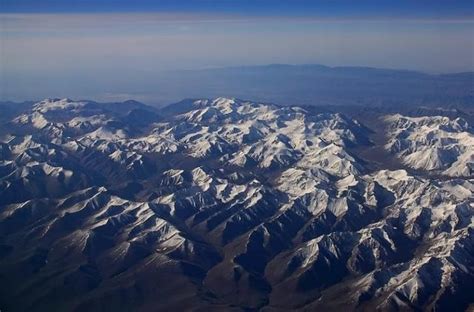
(232, 205)
(433, 143)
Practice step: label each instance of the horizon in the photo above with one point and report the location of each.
(187, 77)
(257, 66)
(91, 47)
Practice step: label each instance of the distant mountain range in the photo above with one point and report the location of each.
(280, 84)
(323, 85)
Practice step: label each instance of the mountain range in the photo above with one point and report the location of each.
(282, 84)
(233, 205)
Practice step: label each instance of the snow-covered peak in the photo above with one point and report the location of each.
(432, 143)
(57, 104)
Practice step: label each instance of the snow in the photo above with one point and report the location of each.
(432, 143)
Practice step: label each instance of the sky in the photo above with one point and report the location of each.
(86, 45)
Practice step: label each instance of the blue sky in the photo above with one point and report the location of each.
(420, 8)
(52, 45)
